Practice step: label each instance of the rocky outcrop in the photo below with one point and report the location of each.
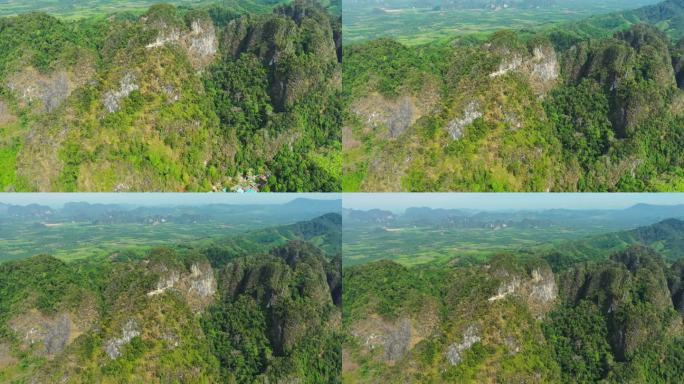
(51, 334)
(6, 116)
(394, 338)
(165, 36)
(128, 332)
(48, 91)
(541, 65)
(6, 357)
(390, 340)
(112, 99)
(200, 41)
(391, 117)
(197, 286)
(545, 68)
(456, 127)
(507, 66)
(455, 351)
(537, 288)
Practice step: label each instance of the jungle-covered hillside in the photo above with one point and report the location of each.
(591, 105)
(208, 98)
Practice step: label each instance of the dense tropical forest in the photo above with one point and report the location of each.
(261, 306)
(591, 105)
(534, 315)
(221, 96)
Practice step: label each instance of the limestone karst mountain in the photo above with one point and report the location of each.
(589, 105)
(203, 311)
(201, 99)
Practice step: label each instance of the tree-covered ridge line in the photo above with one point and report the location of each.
(614, 317)
(175, 99)
(195, 314)
(557, 109)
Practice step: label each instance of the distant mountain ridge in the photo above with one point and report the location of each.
(297, 209)
(666, 237)
(637, 215)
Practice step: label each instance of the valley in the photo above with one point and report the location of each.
(597, 302)
(260, 302)
(423, 236)
(71, 9)
(421, 22)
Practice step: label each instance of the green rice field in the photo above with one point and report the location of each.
(427, 245)
(420, 25)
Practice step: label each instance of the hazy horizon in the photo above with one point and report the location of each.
(56, 200)
(398, 202)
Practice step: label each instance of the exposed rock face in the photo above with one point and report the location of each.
(396, 115)
(506, 289)
(6, 117)
(6, 357)
(200, 41)
(538, 289)
(334, 278)
(456, 127)
(395, 338)
(51, 334)
(545, 68)
(112, 99)
(165, 283)
(57, 336)
(678, 62)
(507, 66)
(543, 286)
(164, 37)
(198, 286)
(470, 338)
(202, 283)
(401, 118)
(542, 67)
(32, 86)
(128, 332)
(396, 341)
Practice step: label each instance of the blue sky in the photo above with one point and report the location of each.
(507, 201)
(58, 199)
